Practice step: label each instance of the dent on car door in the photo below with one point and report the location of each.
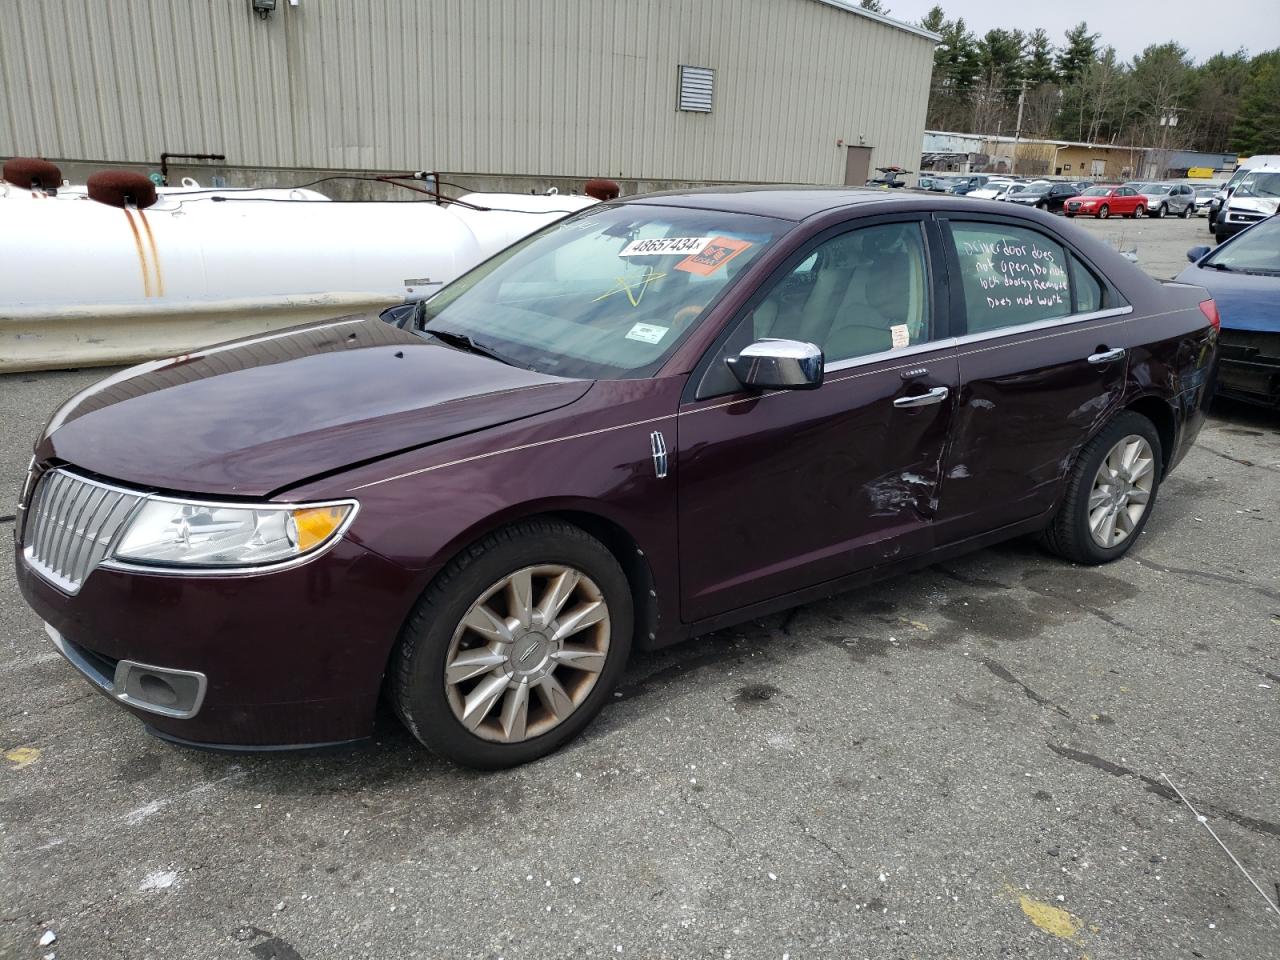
(782, 490)
(1041, 366)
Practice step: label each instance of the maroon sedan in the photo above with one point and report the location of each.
(652, 419)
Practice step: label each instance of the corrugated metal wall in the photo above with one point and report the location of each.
(544, 87)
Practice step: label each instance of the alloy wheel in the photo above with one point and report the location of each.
(1121, 491)
(1104, 212)
(527, 653)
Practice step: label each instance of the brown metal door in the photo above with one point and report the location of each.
(857, 166)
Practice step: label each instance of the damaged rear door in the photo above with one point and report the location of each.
(787, 489)
(1042, 356)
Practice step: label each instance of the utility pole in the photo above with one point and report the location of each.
(1017, 130)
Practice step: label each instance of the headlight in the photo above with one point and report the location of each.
(192, 534)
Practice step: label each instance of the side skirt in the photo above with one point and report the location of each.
(862, 578)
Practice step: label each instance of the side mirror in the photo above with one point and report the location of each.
(779, 365)
(1195, 253)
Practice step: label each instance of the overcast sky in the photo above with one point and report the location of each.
(1202, 28)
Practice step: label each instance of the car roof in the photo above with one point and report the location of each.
(781, 201)
(797, 203)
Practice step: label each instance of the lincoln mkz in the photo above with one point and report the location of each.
(652, 419)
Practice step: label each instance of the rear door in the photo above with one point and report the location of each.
(787, 489)
(1040, 369)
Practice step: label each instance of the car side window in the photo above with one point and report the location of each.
(864, 292)
(859, 293)
(1090, 294)
(1010, 275)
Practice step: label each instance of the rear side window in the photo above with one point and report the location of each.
(1010, 276)
(1089, 291)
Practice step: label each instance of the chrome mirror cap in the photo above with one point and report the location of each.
(779, 365)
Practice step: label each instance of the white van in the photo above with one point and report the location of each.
(1252, 194)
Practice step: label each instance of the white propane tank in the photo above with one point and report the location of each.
(83, 282)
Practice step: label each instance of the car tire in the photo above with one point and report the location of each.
(1102, 491)
(435, 640)
(1186, 212)
(1104, 212)
(1138, 211)
(1159, 212)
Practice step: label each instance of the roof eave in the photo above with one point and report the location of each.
(850, 7)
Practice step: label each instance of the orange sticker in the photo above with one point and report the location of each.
(717, 252)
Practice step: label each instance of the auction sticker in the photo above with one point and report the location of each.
(647, 332)
(664, 246)
(717, 252)
(900, 334)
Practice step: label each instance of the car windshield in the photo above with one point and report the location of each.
(1035, 188)
(1155, 188)
(1265, 184)
(605, 294)
(1257, 250)
(1097, 192)
(1206, 191)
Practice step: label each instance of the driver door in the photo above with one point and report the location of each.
(786, 489)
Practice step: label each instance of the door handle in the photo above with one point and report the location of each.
(936, 395)
(1106, 356)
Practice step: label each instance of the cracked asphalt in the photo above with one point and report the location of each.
(967, 762)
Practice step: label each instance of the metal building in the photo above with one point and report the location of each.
(653, 91)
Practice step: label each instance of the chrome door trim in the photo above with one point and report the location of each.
(925, 347)
(1066, 321)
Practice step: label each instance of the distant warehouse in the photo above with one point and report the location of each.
(508, 94)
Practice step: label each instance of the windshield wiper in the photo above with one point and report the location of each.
(1218, 266)
(461, 341)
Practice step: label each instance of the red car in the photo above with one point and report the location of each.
(1103, 201)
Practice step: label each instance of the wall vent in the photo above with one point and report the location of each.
(697, 86)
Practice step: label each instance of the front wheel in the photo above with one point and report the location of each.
(1160, 211)
(515, 646)
(1103, 212)
(1109, 494)
(1138, 211)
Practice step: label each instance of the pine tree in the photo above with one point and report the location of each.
(1080, 50)
(1257, 125)
(1039, 67)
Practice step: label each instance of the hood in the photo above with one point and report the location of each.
(1245, 301)
(252, 417)
(1255, 205)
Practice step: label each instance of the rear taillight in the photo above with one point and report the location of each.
(1210, 310)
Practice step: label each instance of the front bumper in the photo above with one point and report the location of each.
(1249, 366)
(288, 658)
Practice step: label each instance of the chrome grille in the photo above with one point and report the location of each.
(71, 524)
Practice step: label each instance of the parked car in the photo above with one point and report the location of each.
(1204, 197)
(1256, 162)
(1104, 201)
(652, 419)
(1252, 200)
(992, 189)
(942, 184)
(1045, 196)
(1166, 199)
(1243, 274)
(962, 185)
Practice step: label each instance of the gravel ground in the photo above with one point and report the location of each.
(967, 762)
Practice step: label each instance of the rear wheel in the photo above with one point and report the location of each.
(1104, 211)
(1110, 492)
(1186, 211)
(515, 646)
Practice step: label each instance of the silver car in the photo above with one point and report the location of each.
(1167, 199)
